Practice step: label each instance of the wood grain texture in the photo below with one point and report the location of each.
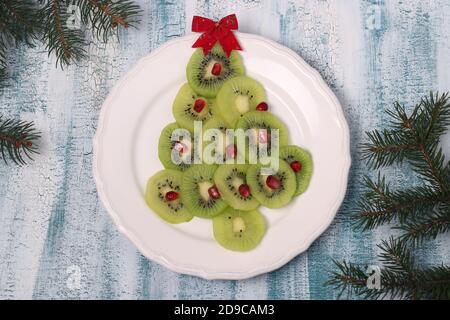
(52, 224)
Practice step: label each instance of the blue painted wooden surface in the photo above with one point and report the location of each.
(53, 226)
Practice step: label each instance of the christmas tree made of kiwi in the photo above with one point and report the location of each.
(219, 94)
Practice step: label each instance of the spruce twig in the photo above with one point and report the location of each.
(420, 212)
(3, 62)
(67, 43)
(380, 205)
(22, 21)
(400, 277)
(26, 21)
(414, 138)
(105, 16)
(18, 24)
(17, 140)
(426, 227)
(19, 21)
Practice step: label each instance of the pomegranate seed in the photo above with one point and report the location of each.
(216, 69)
(244, 190)
(180, 147)
(262, 107)
(231, 151)
(273, 182)
(171, 195)
(296, 166)
(199, 104)
(214, 192)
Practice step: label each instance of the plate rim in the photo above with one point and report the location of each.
(159, 258)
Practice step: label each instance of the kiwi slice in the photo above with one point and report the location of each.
(189, 107)
(275, 190)
(238, 96)
(183, 147)
(239, 230)
(260, 125)
(216, 148)
(207, 73)
(163, 196)
(301, 164)
(199, 193)
(232, 183)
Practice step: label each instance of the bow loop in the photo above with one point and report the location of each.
(202, 24)
(214, 32)
(229, 22)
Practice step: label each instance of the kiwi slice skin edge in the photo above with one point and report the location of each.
(238, 96)
(198, 75)
(158, 185)
(183, 108)
(262, 120)
(293, 153)
(194, 190)
(166, 145)
(272, 198)
(228, 178)
(238, 230)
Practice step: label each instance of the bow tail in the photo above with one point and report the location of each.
(206, 41)
(229, 43)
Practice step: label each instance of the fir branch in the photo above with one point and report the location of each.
(426, 227)
(18, 24)
(435, 116)
(17, 140)
(386, 148)
(380, 205)
(66, 42)
(396, 256)
(22, 21)
(349, 279)
(414, 137)
(435, 282)
(105, 15)
(19, 21)
(3, 62)
(420, 212)
(400, 277)
(429, 163)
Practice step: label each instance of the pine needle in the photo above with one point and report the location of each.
(24, 21)
(17, 140)
(421, 212)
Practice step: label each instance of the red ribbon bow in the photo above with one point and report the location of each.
(216, 31)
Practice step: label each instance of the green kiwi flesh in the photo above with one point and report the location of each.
(293, 153)
(183, 108)
(239, 230)
(166, 145)
(215, 147)
(238, 96)
(272, 198)
(267, 121)
(197, 180)
(198, 70)
(228, 179)
(158, 186)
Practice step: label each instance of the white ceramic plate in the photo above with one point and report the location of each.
(125, 156)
